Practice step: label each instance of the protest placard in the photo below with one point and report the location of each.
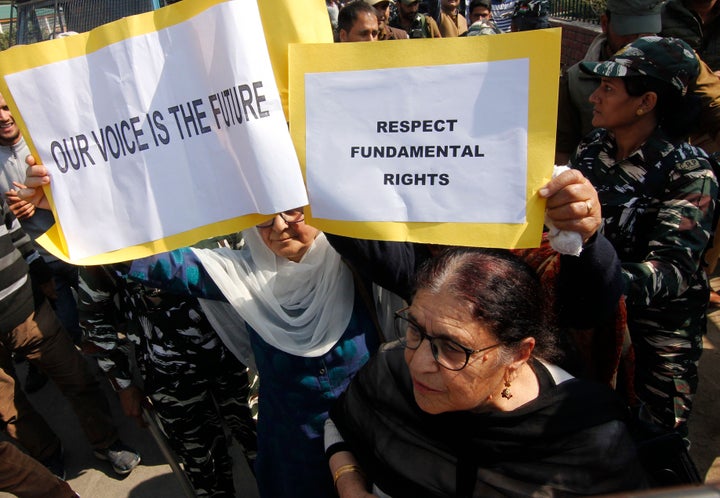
(438, 141)
(158, 130)
(292, 21)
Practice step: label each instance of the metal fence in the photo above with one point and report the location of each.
(578, 10)
(38, 20)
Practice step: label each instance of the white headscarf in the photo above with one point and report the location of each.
(300, 308)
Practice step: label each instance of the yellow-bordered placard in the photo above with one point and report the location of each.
(24, 57)
(32, 56)
(541, 48)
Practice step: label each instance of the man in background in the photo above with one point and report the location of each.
(696, 22)
(357, 22)
(386, 32)
(415, 24)
(35, 222)
(451, 23)
(28, 326)
(502, 11)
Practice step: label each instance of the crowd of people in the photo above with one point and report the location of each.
(448, 18)
(406, 369)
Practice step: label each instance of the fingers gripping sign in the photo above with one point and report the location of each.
(36, 177)
(20, 207)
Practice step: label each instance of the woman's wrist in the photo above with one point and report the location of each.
(350, 481)
(348, 477)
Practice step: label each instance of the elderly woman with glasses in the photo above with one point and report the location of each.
(470, 403)
(310, 326)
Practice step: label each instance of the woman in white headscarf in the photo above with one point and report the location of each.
(309, 326)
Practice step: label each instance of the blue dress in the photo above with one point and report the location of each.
(296, 394)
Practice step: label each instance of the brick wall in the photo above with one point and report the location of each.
(576, 38)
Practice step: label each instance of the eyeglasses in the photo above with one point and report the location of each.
(290, 217)
(447, 353)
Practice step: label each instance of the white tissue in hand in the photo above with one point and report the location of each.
(563, 241)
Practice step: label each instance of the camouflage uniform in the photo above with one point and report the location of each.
(657, 206)
(575, 109)
(658, 215)
(422, 26)
(483, 27)
(194, 382)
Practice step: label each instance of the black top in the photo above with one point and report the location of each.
(589, 286)
(571, 440)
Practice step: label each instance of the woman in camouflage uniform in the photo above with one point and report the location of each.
(658, 197)
(196, 385)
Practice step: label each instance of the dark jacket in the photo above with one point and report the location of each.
(680, 22)
(589, 286)
(571, 440)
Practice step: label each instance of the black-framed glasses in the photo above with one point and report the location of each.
(290, 217)
(447, 353)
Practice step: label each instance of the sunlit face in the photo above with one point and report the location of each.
(289, 241)
(613, 107)
(478, 13)
(9, 131)
(437, 390)
(364, 29)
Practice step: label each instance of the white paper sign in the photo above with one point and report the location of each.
(457, 152)
(163, 132)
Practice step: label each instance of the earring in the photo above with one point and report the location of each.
(506, 392)
(639, 112)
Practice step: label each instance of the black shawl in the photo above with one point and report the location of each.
(571, 440)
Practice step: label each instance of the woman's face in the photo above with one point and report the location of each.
(289, 241)
(437, 389)
(613, 107)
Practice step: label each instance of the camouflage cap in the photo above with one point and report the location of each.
(635, 17)
(483, 27)
(665, 59)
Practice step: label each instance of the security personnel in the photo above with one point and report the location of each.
(416, 25)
